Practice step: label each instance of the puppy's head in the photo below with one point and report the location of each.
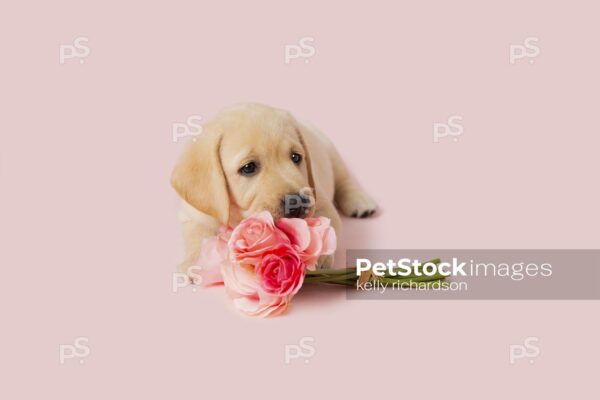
(249, 158)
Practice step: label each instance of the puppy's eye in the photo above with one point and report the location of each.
(296, 158)
(249, 169)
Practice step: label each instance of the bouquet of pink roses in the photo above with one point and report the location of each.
(263, 263)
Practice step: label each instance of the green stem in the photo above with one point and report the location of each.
(348, 277)
(329, 278)
(424, 278)
(331, 271)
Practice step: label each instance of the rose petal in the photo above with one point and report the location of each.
(253, 237)
(329, 241)
(296, 230)
(206, 271)
(265, 307)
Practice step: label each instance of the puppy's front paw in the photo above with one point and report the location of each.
(357, 204)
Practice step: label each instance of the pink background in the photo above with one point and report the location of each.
(89, 232)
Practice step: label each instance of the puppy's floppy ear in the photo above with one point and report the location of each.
(199, 179)
(302, 135)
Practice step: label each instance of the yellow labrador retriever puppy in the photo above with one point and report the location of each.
(252, 158)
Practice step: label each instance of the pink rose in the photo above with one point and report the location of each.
(266, 306)
(253, 237)
(243, 285)
(263, 264)
(281, 272)
(206, 271)
(311, 237)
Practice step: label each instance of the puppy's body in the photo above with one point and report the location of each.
(217, 189)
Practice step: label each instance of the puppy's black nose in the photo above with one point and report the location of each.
(296, 205)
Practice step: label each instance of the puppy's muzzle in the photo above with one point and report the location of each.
(296, 205)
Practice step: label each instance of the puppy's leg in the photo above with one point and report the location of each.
(327, 209)
(349, 197)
